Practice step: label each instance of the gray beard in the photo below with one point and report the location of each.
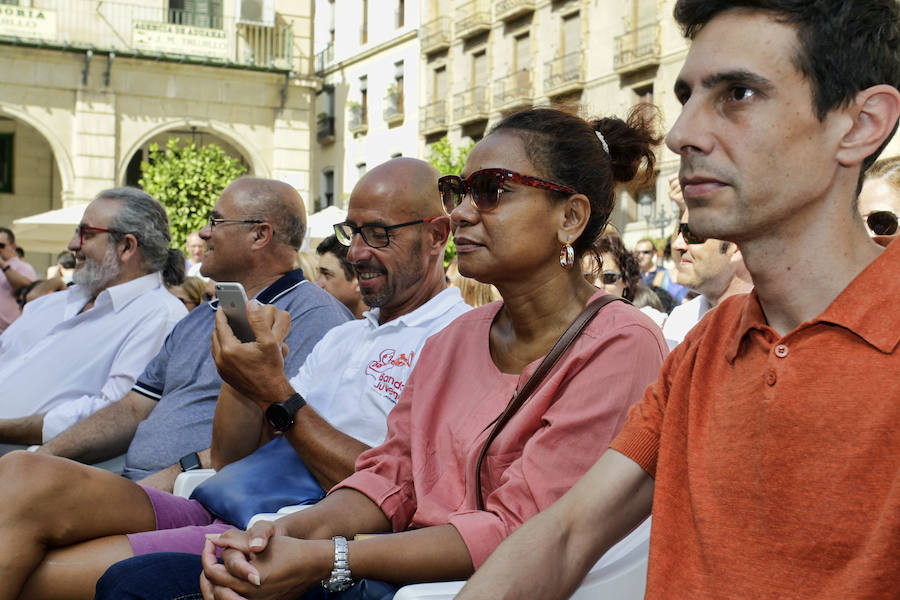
(95, 276)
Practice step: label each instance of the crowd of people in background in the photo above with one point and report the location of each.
(511, 414)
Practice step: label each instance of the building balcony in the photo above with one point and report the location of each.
(472, 18)
(325, 129)
(564, 75)
(434, 36)
(513, 91)
(637, 49)
(359, 121)
(152, 31)
(393, 108)
(324, 58)
(506, 10)
(434, 118)
(471, 105)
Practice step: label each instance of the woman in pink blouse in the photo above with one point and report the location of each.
(534, 195)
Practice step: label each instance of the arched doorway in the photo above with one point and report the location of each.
(30, 183)
(186, 134)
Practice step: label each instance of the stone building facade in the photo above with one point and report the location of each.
(87, 86)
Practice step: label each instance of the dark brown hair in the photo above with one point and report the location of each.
(566, 149)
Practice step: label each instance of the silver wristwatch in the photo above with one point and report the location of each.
(340, 579)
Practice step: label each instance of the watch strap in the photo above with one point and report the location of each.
(341, 579)
(189, 462)
(295, 403)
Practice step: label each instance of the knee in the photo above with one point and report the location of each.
(31, 481)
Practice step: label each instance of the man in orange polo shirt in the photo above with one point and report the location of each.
(769, 448)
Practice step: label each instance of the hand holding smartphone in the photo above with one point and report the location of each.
(233, 302)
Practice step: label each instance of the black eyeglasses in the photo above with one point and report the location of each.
(375, 236)
(689, 236)
(213, 221)
(485, 187)
(81, 228)
(882, 222)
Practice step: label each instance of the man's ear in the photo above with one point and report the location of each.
(439, 230)
(263, 234)
(128, 246)
(876, 112)
(575, 216)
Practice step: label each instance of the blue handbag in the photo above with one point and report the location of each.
(272, 477)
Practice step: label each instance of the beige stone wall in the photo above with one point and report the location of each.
(76, 132)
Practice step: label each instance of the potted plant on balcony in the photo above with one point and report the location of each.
(357, 122)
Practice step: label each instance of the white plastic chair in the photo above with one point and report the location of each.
(621, 574)
(187, 481)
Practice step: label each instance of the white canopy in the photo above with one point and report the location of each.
(48, 231)
(321, 224)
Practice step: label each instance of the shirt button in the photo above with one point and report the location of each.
(781, 350)
(770, 377)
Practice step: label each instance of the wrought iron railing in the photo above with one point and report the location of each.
(434, 117)
(471, 105)
(515, 88)
(152, 30)
(564, 71)
(473, 17)
(435, 34)
(637, 46)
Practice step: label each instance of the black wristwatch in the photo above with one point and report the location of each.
(280, 415)
(189, 462)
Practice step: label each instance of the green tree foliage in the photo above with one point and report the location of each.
(188, 181)
(449, 161)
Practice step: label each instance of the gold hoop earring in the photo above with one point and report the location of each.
(567, 257)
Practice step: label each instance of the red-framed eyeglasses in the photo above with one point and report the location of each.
(80, 229)
(485, 186)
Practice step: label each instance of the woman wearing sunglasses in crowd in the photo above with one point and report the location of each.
(609, 266)
(534, 194)
(879, 200)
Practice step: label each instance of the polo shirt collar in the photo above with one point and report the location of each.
(859, 308)
(423, 315)
(285, 284)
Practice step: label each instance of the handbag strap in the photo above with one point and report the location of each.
(522, 394)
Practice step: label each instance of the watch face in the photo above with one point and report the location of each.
(279, 417)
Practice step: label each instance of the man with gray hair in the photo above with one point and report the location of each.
(95, 337)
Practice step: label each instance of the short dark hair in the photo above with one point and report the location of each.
(845, 46)
(66, 259)
(9, 234)
(331, 244)
(567, 149)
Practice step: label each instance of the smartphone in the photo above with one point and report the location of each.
(233, 302)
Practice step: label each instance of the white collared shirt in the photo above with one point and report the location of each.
(354, 375)
(683, 318)
(68, 365)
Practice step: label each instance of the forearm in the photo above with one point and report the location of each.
(165, 479)
(345, 512)
(239, 428)
(23, 430)
(16, 279)
(328, 453)
(429, 554)
(550, 554)
(105, 434)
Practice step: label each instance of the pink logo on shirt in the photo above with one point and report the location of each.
(378, 370)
